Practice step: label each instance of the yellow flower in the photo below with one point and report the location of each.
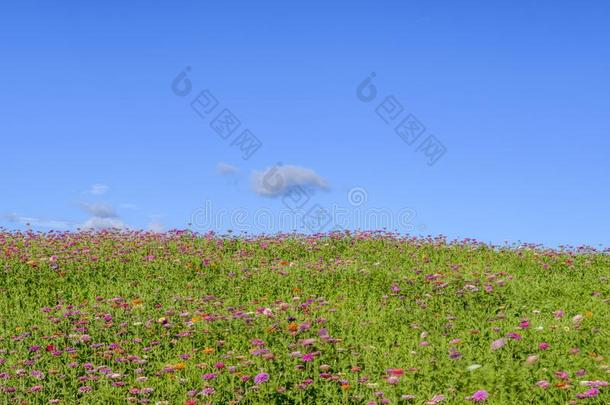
(588, 314)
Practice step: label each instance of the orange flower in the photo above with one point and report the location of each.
(293, 326)
(179, 366)
(344, 386)
(195, 319)
(208, 350)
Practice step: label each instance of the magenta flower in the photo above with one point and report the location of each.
(479, 396)
(261, 378)
(307, 357)
(209, 376)
(593, 392)
(543, 346)
(257, 342)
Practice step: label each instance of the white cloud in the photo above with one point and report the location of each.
(101, 210)
(43, 223)
(225, 169)
(103, 216)
(275, 181)
(99, 189)
(103, 223)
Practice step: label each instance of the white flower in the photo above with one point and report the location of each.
(473, 367)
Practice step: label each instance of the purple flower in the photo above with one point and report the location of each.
(496, 344)
(593, 392)
(261, 378)
(307, 357)
(479, 396)
(209, 376)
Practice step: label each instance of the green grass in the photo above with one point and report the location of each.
(132, 304)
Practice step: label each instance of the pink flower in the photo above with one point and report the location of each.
(562, 375)
(593, 392)
(261, 378)
(307, 357)
(595, 384)
(524, 324)
(496, 344)
(479, 396)
(558, 314)
(544, 384)
(436, 399)
(543, 346)
(392, 380)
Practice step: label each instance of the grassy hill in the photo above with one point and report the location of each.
(115, 317)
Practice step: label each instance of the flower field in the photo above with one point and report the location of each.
(363, 318)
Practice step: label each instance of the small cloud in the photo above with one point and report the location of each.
(101, 210)
(225, 169)
(103, 223)
(129, 206)
(38, 222)
(277, 180)
(99, 189)
(103, 216)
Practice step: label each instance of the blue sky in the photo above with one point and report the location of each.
(517, 94)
